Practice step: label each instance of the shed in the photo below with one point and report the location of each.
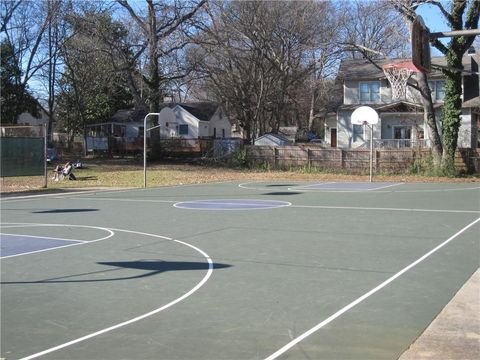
(272, 140)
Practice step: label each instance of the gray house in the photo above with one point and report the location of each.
(401, 122)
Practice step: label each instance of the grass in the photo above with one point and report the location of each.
(120, 173)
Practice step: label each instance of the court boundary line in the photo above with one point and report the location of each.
(43, 237)
(80, 242)
(333, 189)
(385, 209)
(246, 187)
(354, 303)
(78, 192)
(125, 200)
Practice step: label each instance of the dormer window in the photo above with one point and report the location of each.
(370, 92)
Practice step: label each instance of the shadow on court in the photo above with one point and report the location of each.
(60, 211)
(282, 193)
(150, 268)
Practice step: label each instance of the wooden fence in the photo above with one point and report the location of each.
(352, 160)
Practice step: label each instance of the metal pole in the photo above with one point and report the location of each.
(371, 153)
(145, 151)
(145, 146)
(45, 153)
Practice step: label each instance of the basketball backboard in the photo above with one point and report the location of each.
(421, 45)
(364, 115)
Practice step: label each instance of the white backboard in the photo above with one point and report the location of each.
(364, 114)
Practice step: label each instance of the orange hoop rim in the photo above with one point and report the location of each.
(402, 65)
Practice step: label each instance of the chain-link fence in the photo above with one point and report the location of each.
(23, 151)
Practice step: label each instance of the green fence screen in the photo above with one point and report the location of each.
(21, 156)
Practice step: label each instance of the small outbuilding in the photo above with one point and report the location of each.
(272, 139)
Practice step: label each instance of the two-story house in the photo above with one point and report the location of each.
(401, 122)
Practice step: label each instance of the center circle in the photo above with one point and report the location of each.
(231, 204)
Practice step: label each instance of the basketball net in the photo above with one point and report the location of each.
(398, 75)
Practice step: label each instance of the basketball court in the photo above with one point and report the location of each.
(257, 270)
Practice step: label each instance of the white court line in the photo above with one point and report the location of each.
(374, 191)
(57, 195)
(102, 190)
(127, 200)
(15, 225)
(304, 188)
(245, 186)
(321, 187)
(143, 316)
(258, 206)
(43, 237)
(365, 296)
(385, 209)
(387, 186)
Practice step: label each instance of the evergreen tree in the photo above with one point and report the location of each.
(15, 98)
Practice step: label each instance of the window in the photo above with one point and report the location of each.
(370, 92)
(438, 89)
(183, 129)
(357, 133)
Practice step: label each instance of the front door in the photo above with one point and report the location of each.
(403, 135)
(333, 137)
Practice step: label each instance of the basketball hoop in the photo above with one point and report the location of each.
(398, 75)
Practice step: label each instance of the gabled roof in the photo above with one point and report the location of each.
(362, 69)
(203, 111)
(395, 107)
(275, 138)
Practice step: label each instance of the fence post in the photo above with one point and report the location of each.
(342, 159)
(275, 155)
(309, 164)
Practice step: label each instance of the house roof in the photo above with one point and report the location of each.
(362, 69)
(472, 103)
(201, 110)
(398, 106)
(276, 138)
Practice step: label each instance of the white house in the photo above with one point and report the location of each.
(193, 121)
(401, 122)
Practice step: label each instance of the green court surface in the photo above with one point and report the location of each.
(234, 271)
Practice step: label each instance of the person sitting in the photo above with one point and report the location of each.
(65, 170)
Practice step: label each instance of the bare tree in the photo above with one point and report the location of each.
(162, 21)
(255, 56)
(373, 28)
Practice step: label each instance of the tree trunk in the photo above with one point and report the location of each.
(429, 118)
(452, 110)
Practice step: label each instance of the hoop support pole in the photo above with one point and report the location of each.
(45, 154)
(471, 32)
(145, 146)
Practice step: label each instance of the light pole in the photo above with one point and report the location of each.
(145, 146)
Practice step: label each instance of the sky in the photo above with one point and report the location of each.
(435, 21)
